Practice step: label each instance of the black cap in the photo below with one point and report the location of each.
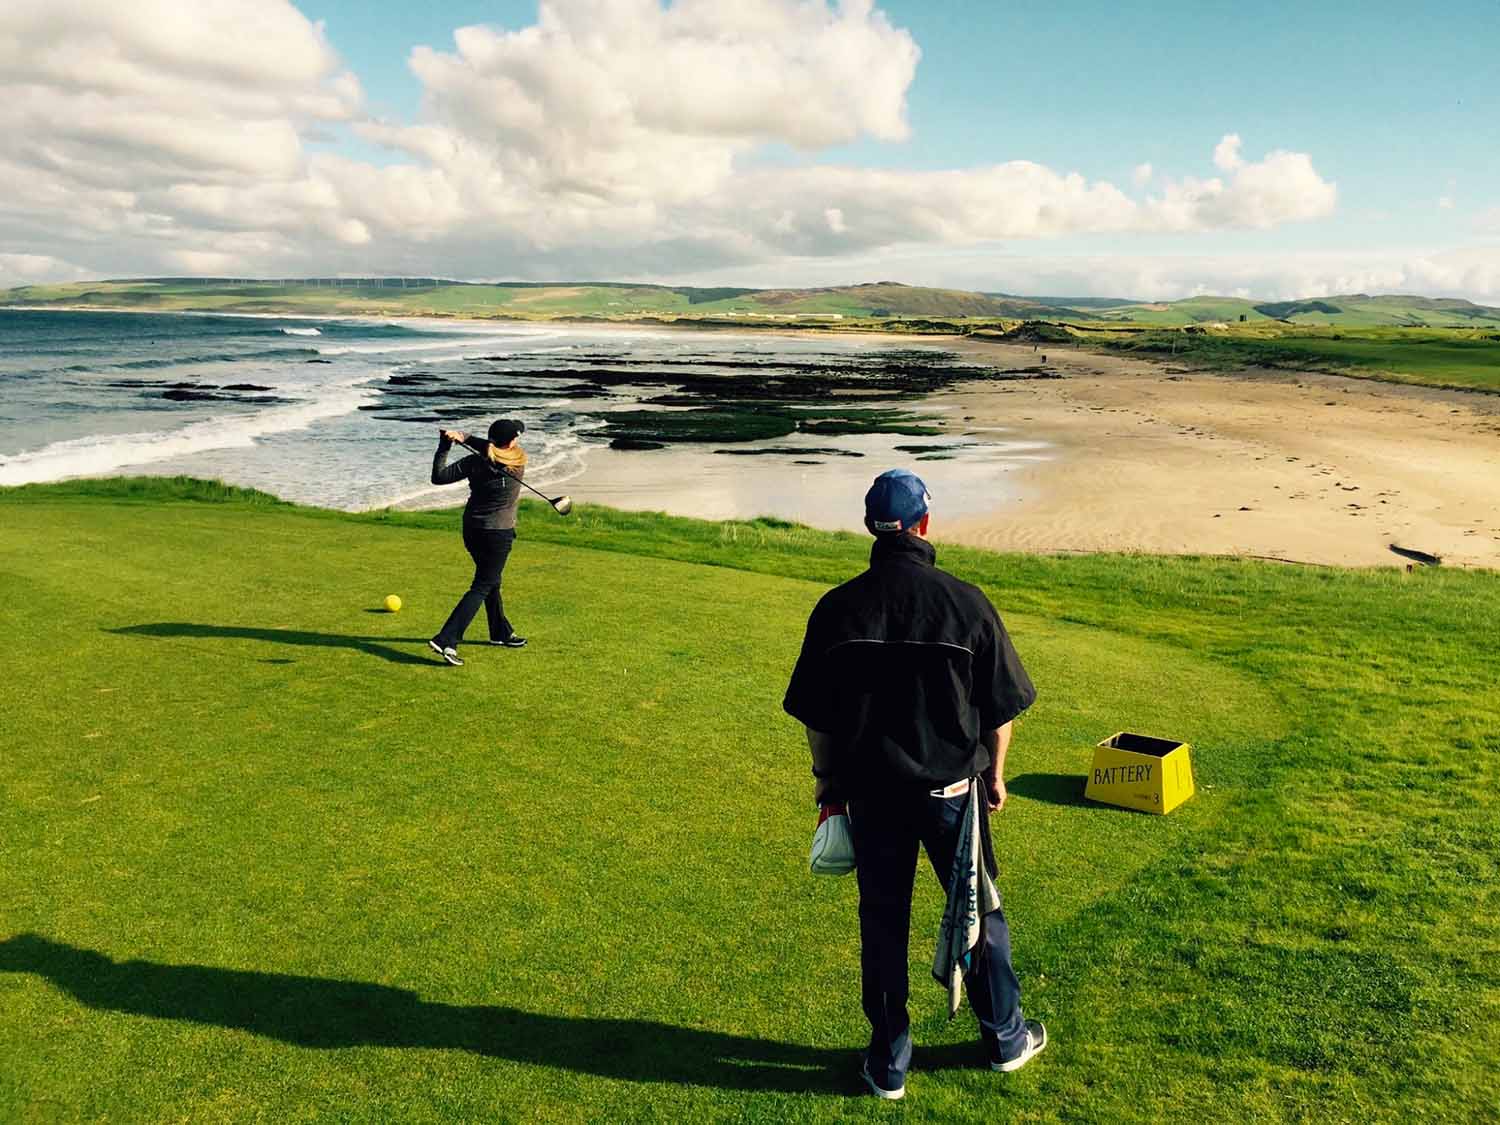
(504, 430)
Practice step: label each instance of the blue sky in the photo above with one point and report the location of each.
(1390, 110)
(1101, 85)
(1398, 104)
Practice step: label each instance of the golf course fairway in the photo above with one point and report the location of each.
(263, 857)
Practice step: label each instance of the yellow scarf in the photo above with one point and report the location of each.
(508, 457)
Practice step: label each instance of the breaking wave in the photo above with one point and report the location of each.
(92, 456)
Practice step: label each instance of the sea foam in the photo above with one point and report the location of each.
(92, 456)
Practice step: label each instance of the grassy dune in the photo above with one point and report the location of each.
(1359, 310)
(264, 859)
(1460, 359)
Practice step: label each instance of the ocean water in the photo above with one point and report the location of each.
(343, 413)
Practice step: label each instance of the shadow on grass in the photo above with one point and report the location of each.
(315, 1012)
(374, 646)
(1053, 788)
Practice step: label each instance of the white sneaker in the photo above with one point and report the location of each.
(878, 1090)
(1036, 1043)
(450, 654)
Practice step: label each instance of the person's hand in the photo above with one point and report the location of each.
(455, 435)
(994, 790)
(822, 790)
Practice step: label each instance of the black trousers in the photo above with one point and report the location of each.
(489, 550)
(887, 831)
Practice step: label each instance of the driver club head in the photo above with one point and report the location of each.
(562, 504)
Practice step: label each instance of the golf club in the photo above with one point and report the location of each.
(562, 505)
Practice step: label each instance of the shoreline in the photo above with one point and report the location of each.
(1136, 455)
(1123, 455)
(1119, 454)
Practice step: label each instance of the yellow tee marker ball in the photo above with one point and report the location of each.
(392, 603)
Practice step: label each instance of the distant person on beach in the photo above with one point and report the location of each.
(494, 472)
(907, 684)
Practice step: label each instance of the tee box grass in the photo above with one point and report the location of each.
(1136, 771)
(263, 858)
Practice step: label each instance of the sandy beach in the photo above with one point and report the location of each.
(1121, 454)
(1297, 466)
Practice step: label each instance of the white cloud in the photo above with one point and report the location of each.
(617, 71)
(1284, 187)
(29, 269)
(1227, 153)
(612, 138)
(1474, 271)
(1488, 221)
(125, 122)
(1445, 203)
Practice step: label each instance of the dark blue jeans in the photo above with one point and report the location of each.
(886, 832)
(489, 549)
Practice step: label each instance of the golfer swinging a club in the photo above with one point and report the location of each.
(494, 474)
(907, 684)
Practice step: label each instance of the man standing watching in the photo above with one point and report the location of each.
(907, 684)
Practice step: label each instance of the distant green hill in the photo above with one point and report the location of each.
(429, 296)
(614, 300)
(1192, 310)
(1358, 310)
(1067, 303)
(880, 299)
(1398, 310)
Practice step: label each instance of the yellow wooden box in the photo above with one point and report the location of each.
(1136, 771)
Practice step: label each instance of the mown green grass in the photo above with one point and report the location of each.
(265, 860)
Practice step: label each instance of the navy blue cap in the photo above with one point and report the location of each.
(897, 501)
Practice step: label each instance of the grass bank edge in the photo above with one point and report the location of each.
(655, 533)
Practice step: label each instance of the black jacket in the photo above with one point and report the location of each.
(493, 492)
(906, 667)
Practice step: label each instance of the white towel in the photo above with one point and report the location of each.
(833, 843)
(971, 895)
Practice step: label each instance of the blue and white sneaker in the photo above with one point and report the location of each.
(1036, 1043)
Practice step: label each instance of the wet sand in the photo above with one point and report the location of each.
(817, 489)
